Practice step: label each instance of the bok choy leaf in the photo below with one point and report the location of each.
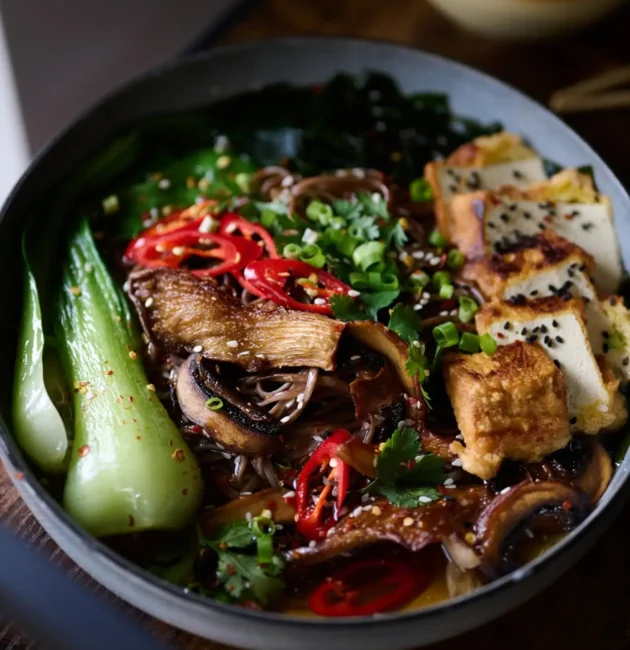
(130, 469)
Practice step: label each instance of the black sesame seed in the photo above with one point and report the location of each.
(566, 297)
(612, 300)
(507, 325)
(543, 329)
(450, 172)
(518, 299)
(532, 339)
(547, 340)
(541, 226)
(504, 217)
(524, 331)
(518, 175)
(555, 323)
(512, 207)
(573, 421)
(536, 329)
(605, 348)
(625, 361)
(453, 188)
(556, 363)
(534, 292)
(587, 226)
(575, 213)
(559, 339)
(491, 225)
(571, 273)
(474, 181)
(527, 215)
(605, 334)
(582, 268)
(553, 288)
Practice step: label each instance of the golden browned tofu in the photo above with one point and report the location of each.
(567, 186)
(593, 401)
(509, 405)
(489, 163)
(616, 339)
(538, 266)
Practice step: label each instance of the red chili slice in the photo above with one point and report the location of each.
(310, 520)
(269, 278)
(368, 587)
(175, 247)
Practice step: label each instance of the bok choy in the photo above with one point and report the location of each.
(130, 469)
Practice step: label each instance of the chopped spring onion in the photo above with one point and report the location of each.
(488, 344)
(440, 278)
(446, 335)
(337, 223)
(469, 343)
(419, 279)
(420, 190)
(111, 204)
(312, 254)
(455, 259)
(375, 281)
(263, 527)
(356, 231)
(368, 254)
(318, 211)
(446, 291)
(292, 251)
(242, 180)
(214, 404)
(437, 239)
(268, 218)
(467, 309)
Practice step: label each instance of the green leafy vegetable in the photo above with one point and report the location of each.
(116, 415)
(406, 322)
(346, 309)
(420, 190)
(403, 476)
(417, 363)
(374, 302)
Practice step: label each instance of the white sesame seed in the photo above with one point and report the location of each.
(208, 225)
(221, 144)
(418, 306)
(529, 533)
(450, 487)
(248, 516)
(426, 295)
(459, 436)
(425, 499)
(365, 497)
(355, 357)
(367, 508)
(333, 462)
(289, 494)
(376, 511)
(148, 302)
(232, 344)
(409, 423)
(453, 312)
(505, 490)
(401, 424)
(317, 439)
(285, 419)
(178, 250)
(416, 344)
(379, 418)
(357, 511)
(443, 313)
(164, 184)
(259, 356)
(449, 481)
(358, 172)
(603, 408)
(310, 236)
(312, 544)
(289, 404)
(126, 286)
(435, 261)
(198, 348)
(457, 462)
(427, 372)
(300, 397)
(353, 293)
(244, 353)
(319, 301)
(418, 255)
(287, 181)
(408, 521)
(154, 212)
(424, 301)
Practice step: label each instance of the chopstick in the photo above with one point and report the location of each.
(587, 95)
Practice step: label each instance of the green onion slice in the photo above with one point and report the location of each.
(214, 404)
(446, 335)
(488, 344)
(469, 343)
(467, 309)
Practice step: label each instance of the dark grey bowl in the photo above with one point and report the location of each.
(196, 82)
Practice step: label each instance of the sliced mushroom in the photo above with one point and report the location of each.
(273, 500)
(460, 582)
(359, 456)
(598, 473)
(413, 528)
(376, 392)
(250, 432)
(554, 503)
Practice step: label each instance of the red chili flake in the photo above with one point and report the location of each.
(451, 303)
(412, 401)
(18, 476)
(196, 429)
(83, 451)
(442, 489)
(132, 521)
(411, 464)
(494, 200)
(567, 505)
(500, 335)
(131, 398)
(110, 372)
(271, 506)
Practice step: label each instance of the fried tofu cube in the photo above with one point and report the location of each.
(557, 324)
(547, 265)
(484, 222)
(489, 163)
(616, 339)
(509, 405)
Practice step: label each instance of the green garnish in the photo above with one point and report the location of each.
(320, 212)
(467, 309)
(368, 254)
(440, 278)
(405, 322)
(469, 343)
(446, 335)
(437, 239)
(446, 291)
(455, 259)
(312, 254)
(344, 308)
(487, 344)
(292, 251)
(420, 190)
(214, 404)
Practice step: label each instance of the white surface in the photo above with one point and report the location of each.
(66, 54)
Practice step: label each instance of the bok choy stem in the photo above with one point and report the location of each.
(130, 469)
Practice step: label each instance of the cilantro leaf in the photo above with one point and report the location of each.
(368, 227)
(394, 234)
(373, 205)
(417, 363)
(345, 209)
(345, 308)
(241, 573)
(405, 321)
(402, 447)
(374, 302)
(279, 207)
(237, 534)
(428, 469)
(410, 497)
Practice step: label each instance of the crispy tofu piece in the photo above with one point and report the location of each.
(485, 222)
(547, 265)
(488, 162)
(567, 186)
(616, 339)
(593, 401)
(493, 398)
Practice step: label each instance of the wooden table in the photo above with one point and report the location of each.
(588, 608)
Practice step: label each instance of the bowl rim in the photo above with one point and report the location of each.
(26, 482)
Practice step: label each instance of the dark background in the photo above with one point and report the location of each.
(588, 608)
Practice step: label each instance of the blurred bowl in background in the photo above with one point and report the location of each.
(525, 19)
